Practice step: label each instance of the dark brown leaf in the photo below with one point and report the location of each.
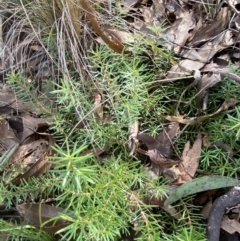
(39, 167)
(31, 125)
(40, 216)
(160, 149)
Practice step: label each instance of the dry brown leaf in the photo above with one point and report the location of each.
(124, 37)
(28, 154)
(39, 215)
(132, 139)
(148, 15)
(29, 160)
(98, 107)
(180, 28)
(196, 120)
(131, 3)
(222, 41)
(9, 103)
(31, 125)
(208, 50)
(210, 67)
(37, 169)
(7, 137)
(196, 29)
(184, 68)
(207, 81)
(206, 209)
(212, 29)
(186, 169)
(230, 225)
(190, 157)
(112, 41)
(160, 148)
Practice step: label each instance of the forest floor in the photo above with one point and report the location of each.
(119, 120)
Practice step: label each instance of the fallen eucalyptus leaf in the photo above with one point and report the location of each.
(196, 120)
(43, 216)
(199, 185)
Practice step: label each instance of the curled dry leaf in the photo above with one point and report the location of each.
(196, 120)
(112, 41)
(98, 107)
(42, 216)
(132, 139)
(207, 81)
(160, 149)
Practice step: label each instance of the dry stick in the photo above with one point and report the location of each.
(233, 7)
(163, 81)
(228, 75)
(114, 43)
(181, 96)
(230, 199)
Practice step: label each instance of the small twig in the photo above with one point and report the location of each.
(162, 81)
(227, 74)
(233, 7)
(182, 94)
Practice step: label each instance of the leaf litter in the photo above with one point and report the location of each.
(197, 40)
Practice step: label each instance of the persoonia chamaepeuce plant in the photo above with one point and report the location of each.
(105, 201)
